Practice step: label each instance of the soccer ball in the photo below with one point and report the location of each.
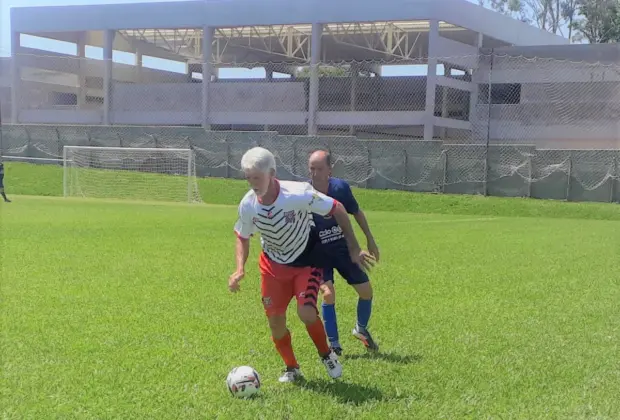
(243, 382)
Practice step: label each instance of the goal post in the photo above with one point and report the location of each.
(132, 173)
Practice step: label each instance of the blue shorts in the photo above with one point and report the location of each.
(352, 273)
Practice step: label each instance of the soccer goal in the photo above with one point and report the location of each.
(130, 173)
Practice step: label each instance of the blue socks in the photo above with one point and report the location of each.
(364, 308)
(331, 326)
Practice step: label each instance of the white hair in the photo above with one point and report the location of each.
(258, 158)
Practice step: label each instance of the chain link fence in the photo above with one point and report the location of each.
(498, 170)
(513, 126)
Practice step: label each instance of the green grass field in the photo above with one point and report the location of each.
(484, 308)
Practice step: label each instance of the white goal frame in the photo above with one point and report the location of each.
(190, 173)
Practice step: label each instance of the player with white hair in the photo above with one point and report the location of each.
(281, 212)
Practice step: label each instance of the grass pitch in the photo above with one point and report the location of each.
(121, 310)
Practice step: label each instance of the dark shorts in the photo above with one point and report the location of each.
(1, 181)
(341, 262)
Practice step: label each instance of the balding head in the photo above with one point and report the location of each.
(321, 155)
(320, 167)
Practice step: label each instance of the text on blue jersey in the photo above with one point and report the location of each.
(330, 234)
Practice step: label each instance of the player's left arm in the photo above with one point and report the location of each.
(353, 208)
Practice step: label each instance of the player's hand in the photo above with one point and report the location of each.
(362, 258)
(367, 260)
(233, 281)
(373, 249)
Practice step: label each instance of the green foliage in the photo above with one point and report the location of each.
(596, 21)
(599, 22)
(324, 71)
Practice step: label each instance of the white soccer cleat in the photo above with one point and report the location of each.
(333, 366)
(290, 375)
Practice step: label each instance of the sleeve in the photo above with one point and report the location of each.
(348, 199)
(244, 227)
(317, 202)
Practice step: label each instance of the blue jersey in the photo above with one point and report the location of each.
(330, 234)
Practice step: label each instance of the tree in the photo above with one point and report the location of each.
(324, 71)
(599, 21)
(551, 15)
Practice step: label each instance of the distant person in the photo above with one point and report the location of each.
(6, 200)
(333, 249)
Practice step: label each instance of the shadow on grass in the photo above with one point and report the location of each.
(388, 357)
(343, 392)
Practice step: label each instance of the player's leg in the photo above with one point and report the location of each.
(276, 294)
(328, 309)
(307, 284)
(359, 280)
(6, 200)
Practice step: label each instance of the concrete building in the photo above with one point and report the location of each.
(356, 36)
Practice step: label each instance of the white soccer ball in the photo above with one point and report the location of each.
(243, 382)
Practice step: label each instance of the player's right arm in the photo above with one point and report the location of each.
(244, 229)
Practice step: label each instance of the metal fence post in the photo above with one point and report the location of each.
(529, 184)
(59, 142)
(489, 100)
(227, 158)
(406, 171)
(486, 171)
(614, 180)
(28, 142)
(570, 175)
(294, 162)
(370, 169)
(445, 171)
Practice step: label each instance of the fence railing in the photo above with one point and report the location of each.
(424, 166)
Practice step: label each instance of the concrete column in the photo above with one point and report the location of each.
(447, 71)
(108, 43)
(16, 77)
(313, 96)
(431, 81)
(207, 69)
(81, 53)
(138, 66)
(473, 98)
(354, 76)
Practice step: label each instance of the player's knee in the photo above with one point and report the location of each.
(307, 314)
(329, 293)
(364, 290)
(277, 324)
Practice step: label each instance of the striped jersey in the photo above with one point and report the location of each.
(284, 225)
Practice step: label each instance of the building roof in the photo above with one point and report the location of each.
(235, 13)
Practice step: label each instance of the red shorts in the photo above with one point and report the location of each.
(281, 283)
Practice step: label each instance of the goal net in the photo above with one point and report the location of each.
(130, 173)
